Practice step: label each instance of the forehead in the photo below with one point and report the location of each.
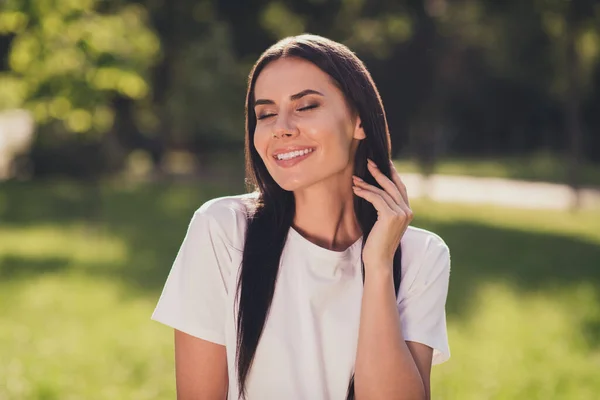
(287, 76)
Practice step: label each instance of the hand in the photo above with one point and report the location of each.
(393, 216)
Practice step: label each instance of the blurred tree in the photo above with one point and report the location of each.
(67, 60)
(129, 74)
(198, 85)
(575, 26)
(468, 77)
(562, 61)
(526, 69)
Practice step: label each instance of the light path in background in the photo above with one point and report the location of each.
(17, 129)
(498, 191)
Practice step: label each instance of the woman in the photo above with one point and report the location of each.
(274, 294)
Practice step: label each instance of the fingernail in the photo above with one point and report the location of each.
(357, 178)
(371, 163)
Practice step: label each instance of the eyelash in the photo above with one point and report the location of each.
(310, 107)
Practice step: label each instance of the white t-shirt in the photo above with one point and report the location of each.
(308, 346)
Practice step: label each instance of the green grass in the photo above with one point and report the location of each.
(538, 167)
(81, 271)
(524, 304)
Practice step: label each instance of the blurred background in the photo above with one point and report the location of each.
(119, 118)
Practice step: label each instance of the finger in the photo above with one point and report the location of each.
(398, 182)
(384, 181)
(386, 197)
(407, 212)
(401, 208)
(378, 202)
(377, 199)
(382, 206)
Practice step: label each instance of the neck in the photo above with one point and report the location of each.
(325, 214)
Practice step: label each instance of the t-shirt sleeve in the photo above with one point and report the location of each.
(423, 308)
(193, 299)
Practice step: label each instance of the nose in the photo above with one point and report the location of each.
(283, 127)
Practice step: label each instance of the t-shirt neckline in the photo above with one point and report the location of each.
(322, 252)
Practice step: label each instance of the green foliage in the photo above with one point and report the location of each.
(372, 30)
(207, 91)
(457, 77)
(526, 40)
(280, 21)
(68, 59)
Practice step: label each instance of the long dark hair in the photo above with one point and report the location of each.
(271, 213)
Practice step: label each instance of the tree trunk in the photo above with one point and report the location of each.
(573, 114)
(165, 21)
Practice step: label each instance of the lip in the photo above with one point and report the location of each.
(295, 160)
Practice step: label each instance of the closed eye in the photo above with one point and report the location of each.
(265, 116)
(308, 107)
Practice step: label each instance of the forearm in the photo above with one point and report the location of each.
(384, 368)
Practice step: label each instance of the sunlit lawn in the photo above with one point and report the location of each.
(76, 296)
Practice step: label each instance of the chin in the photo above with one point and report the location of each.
(292, 180)
(294, 183)
(290, 185)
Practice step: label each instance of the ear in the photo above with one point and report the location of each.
(359, 132)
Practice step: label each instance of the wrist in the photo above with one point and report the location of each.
(380, 273)
(379, 283)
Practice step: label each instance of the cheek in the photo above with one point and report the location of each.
(261, 141)
(334, 135)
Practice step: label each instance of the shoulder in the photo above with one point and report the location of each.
(425, 255)
(222, 208)
(417, 242)
(227, 215)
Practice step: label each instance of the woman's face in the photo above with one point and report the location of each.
(298, 108)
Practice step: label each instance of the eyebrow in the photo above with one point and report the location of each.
(293, 97)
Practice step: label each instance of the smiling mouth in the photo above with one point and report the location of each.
(286, 160)
(293, 154)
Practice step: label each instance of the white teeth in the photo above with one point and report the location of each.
(292, 154)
